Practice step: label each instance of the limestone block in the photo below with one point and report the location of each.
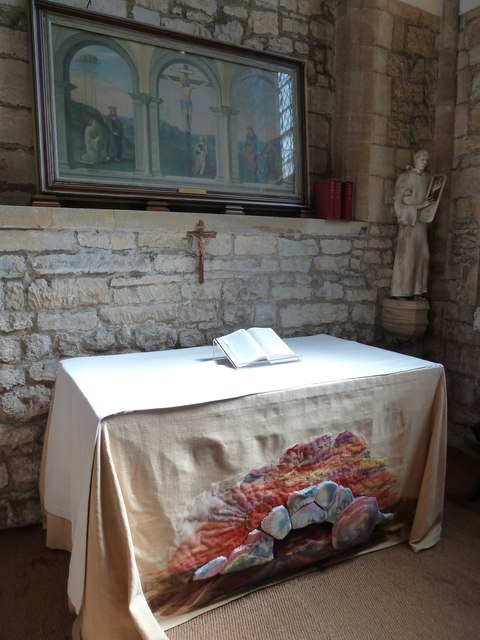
(369, 92)
(283, 292)
(398, 133)
(284, 46)
(11, 377)
(238, 315)
(318, 130)
(145, 15)
(37, 346)
(175, 264)
(254, 245)
(165, 240)
(462, 60)
(44, 372)
(288, 247)
(331, 291)
(371, 26)
(33, 240)
(364, 313)
(146, 294)
(331, 264)
(335, 247)
(67, 293)
(295, 26)
(161, 6)
(109, 7)
(361, 295)
(15, 82)
(322, 31)
(15, 321)
(463, 85)
(375, 195)
(232, 31)
(16, 162)
(129, 315)
(398, 35)
(199, 313)
(472, 33)
(420, 41)
(16, 126)
(296, 264)
(90, 262)
(9, 350)
(290, 5)
(369, 58)
(3, 475)
(318, 161)
(152, 337)
(236, 10)
(461, 120)
(320, 100)
(476, 319)
(382, 161)
(210, 290)
(67, 320)
(115, 240)
(24, 469)
(300, 315)
(466, 183)
(207, 6)
(265, 315)
(15, 43)
(475, 89)
(264, 22)
(14, 296)
(24, 404)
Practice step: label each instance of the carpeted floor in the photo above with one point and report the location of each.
(393, 594)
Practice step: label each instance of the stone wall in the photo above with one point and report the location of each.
(386, 96)
(86, 282)
(456, 290)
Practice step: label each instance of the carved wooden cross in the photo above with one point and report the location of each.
(200, 235)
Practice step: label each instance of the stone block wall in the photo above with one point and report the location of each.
(386, 93)
(456, 279)
(89, 282)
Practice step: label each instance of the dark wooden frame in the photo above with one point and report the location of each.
(184, 106)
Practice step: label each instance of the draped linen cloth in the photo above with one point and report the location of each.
(127, 470)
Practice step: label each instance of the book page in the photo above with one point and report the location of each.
(271, 342)
(241, 348)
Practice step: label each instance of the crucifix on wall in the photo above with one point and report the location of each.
(201, 235)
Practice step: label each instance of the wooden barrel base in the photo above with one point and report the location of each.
(405, 318)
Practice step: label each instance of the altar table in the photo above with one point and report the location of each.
(171, 476)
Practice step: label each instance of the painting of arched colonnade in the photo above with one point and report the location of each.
(131, 112)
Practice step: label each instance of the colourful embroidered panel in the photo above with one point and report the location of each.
(321, 498)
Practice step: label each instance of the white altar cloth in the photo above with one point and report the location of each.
(90, 389)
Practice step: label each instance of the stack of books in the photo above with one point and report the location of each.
(333, 199)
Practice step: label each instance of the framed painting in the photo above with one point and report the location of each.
(127, 111)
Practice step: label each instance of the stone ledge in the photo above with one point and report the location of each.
(53, 218)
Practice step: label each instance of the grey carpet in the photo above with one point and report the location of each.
(393, 594)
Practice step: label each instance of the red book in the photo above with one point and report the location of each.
(347, 200)
(327, 196)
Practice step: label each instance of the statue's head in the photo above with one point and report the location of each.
(421, 159)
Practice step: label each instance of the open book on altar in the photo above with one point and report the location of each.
(255, 345)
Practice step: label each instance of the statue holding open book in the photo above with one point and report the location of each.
(416, 199)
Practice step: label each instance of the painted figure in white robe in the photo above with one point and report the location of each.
(413, 211)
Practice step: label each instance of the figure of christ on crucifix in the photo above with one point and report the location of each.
(200, 235)
(188, 85)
